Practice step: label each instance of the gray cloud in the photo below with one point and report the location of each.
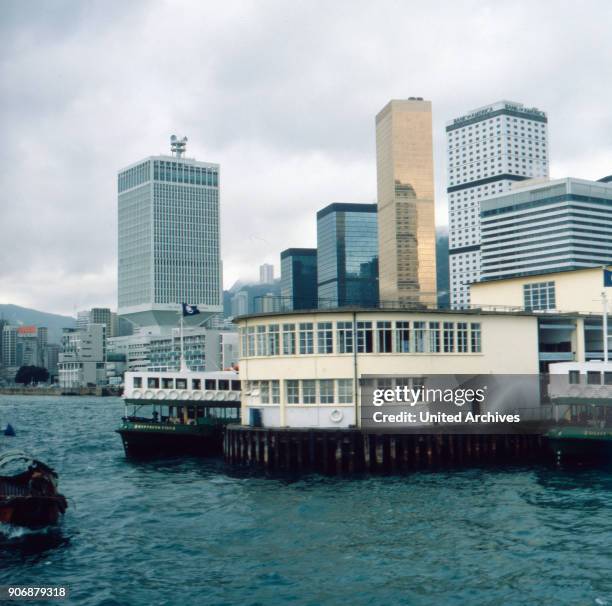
(283, 95)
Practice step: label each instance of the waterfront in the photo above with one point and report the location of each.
(195, 532)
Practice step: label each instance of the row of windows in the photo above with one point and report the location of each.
(195, 384)
(307, 338)
(179, 172)
(304, 391)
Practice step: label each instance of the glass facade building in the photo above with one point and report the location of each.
(347, 255)
(299, 278)
(168, 221)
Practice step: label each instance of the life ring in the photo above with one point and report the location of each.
(220, 396)
(185, 395)
(148, 394)
(197, 395)
(161, 395)
(232, 395)
(336, 416)
(173, 395)
(209, 395)
(136, 394)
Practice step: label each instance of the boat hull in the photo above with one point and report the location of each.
(146, 443)
(581, 445)
(32, 511)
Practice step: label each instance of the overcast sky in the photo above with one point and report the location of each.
(282, 94)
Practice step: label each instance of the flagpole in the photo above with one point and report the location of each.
(183, 365)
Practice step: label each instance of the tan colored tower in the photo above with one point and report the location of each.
(406, 223)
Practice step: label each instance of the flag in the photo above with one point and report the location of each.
(190, 310)
(607, 278)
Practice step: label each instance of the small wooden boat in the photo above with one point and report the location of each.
(29, 498)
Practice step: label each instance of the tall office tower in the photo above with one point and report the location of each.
(240, 303)
(406, 223)
(266, 273)
(9, 346)
(83, 318)
(299, 278)
(546, 227)
(488, 149)
(168, 238)
(347, 255)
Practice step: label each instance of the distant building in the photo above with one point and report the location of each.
(544, 227)
(488, 149)
(168, 241)
(347, 255)
(266, 273)
(51, 358)
(405, 180)
(83, 318)
(82, 357)
(30, 345)
(299, 278)
(9, 346)
(240, 303)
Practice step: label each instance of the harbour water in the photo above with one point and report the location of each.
(191, 531)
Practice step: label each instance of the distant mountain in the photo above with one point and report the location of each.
(22, 315)
(442, 267)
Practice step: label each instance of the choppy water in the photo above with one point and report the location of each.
(190, 532)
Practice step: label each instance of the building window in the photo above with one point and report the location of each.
(264, 391)
(273, 340)
(325, 338)
(251, 341)
(449, 337)
(434, 337)
(462, 337)
(289, 339)
(384, 337)
(137, 382)
(593, 377)
(275, 391)
(326, 391)
(539, 296)
(345, 337)
(306, 338)
(293, 391)
(419, 336)
(261, 340)
(574, 377)
(476, 337)
(402, 337)
(309, 391)
(365, 341)
(345, 391)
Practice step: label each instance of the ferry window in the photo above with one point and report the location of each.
(574, 377)
(275, 390)
(306, 338)
(476, 337)
(593, 378)
(434, 337)
(210, 384)
(191, 412)
(137, 381)
(181, 383)
(607, 378)
(364, 337)
(326, 391)
(293, 391)
(402, 337)
(384, 337)
(309, 391)
(236, 385)
(153, 382)
(345, 391)
(223, 384)
(200, 412)
(288, 339)
(196, 384)
(345, 337)
(325, 338)
(167, 383)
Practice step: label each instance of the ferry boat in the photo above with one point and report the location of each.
(581, 394)
(178, 412)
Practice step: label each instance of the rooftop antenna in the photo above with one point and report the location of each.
(178, 146)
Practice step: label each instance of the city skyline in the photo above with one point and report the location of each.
(77, 117)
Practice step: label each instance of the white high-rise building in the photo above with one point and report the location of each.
(168, 238)
(266, 273)
(488, 149)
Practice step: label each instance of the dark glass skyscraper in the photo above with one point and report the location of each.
(347, 255)
(299, 278)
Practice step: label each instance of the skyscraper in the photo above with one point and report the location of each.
(488, 149)
(168, 238)
(347, 255)
(299, 278)
(266, 273)
(406, 223)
